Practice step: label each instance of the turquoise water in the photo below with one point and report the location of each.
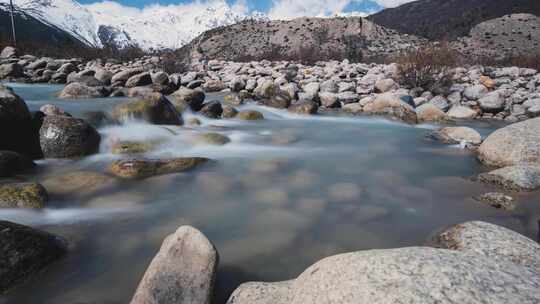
(283, 194)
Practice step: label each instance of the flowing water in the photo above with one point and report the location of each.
(286, 192)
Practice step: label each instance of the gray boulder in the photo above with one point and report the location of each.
(185, 98)
(391, 105)
(11, 70)
(494, 242)
(462, 112)
(456, 135)
(78, 90)
(517, 178)
(475, 92)
(8, 52)
(123, 76)
(492, 102)
(25, 251)
(183, 271)
(64, 136)
(138, 80)
(153, 108)
(514, 144)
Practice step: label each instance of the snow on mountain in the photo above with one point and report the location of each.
(172, 26)
(67, 15)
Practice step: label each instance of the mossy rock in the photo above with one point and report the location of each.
(143, 167)
(233, 99)
(229, 112)
(131, 147)
(249, 115)
(213, 139)
(78, 183)
(23, 195)
(194, 121)
(154, 108)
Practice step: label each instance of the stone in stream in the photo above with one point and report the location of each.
(131, 147)
(456, 135)
(154, 108)
(497, 200)
(213, 139)
(78, 183)
(497, 243)
(138, 168)
(305, 107)
(390, 104)
(233, 99)
(513, 144)
(249, 115)
(229, 112)
(12, 163)
(63, 136)
(24, 251)
(278, 100)
(23, 195)
(517, 178)
(429, 113)
(185, 98)
(15, 116)
(183, 271)
(79, 90)
(462, 112)
(212, 109)
(404, 275)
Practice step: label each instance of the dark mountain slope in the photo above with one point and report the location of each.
(449, 19)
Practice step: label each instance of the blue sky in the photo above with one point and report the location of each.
(259, 5)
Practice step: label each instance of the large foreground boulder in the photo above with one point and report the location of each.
(514, 144)
(153, 108)
(492, 241)
(25, 251)
(183, 271)
(516, 178)
(392, 105)
(143, 167)
(404, 275)
(23, 195)
(64, 136)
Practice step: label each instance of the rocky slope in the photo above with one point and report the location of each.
(449, 19)
(303, 38)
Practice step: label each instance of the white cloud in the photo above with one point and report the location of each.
(392, 3)
(287, 9)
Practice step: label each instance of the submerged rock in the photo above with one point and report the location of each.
(63, 136)
(404, 275)
(517, 178)
(78, 183)
(143, 167)
(22, 195)
(512, 145)
(183, 271)
(25, 251)
(12, 163)
(390, 104)
(497, 243)
(212, 109)
(213, 139)
(249, 115)
(154, 108)
(131, 147)
(456, 135)
(497, 200)
(229, 112)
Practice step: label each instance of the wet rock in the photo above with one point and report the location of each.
(213, 139)
(78, 90)
(23, 195)
(193, 121)
(390, 104)
(14, 115)
(25, 251)
(185, 98)
(497, 243)
(143, 167)
(497, 200)
(12, 163)
(229, 112)
(183, 271)
(249, 115)
(138, 80)
(212, 109)
(462, 112)
(277, 100)
(154, 108)
(50, 109)
(429, 113)
(103, 76)
(457, 135)
(233, 99)
(305, 107)
(513, 144)
(131, 147)
(517, 178)
(404, 275)
(97, 119)
(63, 136)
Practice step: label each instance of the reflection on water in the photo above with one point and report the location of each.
(282, 194)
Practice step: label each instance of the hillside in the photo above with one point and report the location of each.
(449, 19)
(354, 38)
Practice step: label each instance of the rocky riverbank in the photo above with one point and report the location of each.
(509, 93)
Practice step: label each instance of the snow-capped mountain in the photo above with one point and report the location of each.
(66, 15)
(153, 27)
(158, 27)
